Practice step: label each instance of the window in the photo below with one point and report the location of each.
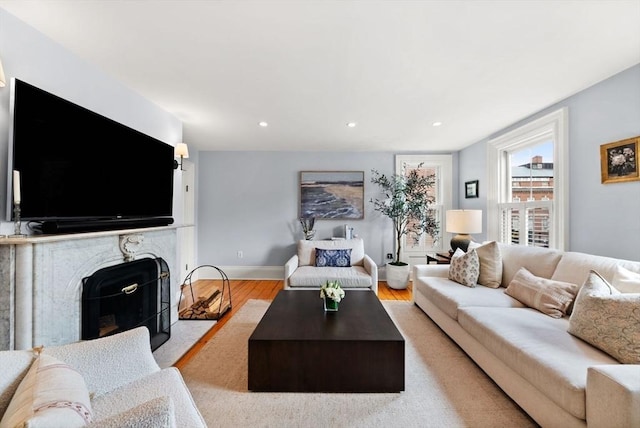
(527, 179)
(415, 250)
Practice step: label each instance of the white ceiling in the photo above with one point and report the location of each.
(309, 67)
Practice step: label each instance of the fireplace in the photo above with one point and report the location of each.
(41, 280)
(125, 296)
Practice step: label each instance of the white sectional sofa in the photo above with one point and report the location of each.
(118, 376)
(559, 379)
(301, 272)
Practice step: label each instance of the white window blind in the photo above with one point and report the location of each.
(527, 223)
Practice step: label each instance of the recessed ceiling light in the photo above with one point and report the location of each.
(351, 124)
(436, 124)
(263, 124)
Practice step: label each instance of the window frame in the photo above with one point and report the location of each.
(552, 126)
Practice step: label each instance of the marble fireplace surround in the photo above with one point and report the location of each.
(41, 279)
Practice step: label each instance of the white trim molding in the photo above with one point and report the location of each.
(553, 126)
(252, 272)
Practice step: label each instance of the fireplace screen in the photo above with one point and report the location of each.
(126, 296)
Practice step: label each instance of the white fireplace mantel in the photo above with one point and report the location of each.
(41, 279)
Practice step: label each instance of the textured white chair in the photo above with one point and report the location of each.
(125, 384)
(301, 272)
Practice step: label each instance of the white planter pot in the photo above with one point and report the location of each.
(398, 276)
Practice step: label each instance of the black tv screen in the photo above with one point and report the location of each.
(76, 164)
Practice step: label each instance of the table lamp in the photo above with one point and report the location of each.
(463, 223)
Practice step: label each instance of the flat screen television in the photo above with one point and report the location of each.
(81, 171)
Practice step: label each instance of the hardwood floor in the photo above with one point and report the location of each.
(243, 290)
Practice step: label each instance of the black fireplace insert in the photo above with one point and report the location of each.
(126, 296)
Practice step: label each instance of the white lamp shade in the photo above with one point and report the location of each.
(464, 221)
(182, 150)
(3, 80)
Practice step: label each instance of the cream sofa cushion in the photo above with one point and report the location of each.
(608, 319)
(449, 296)
(539, 349)
(52, 394)
(307, 250)
(575, 267)
(311, 276)
(550, 297)
(490, 263)
(626, 281)
(541, 262)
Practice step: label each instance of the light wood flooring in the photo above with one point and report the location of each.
(243, 290)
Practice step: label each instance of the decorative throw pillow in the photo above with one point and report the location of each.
(490, 264)
(333, 258)
(550, 297)
(626, 281)
(52, 394)
(464, 268)
(607, 319)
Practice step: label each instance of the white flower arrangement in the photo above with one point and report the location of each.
(332, 290)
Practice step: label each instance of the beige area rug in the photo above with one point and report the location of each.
(443, 387)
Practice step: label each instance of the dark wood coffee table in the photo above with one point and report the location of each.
(297, 347)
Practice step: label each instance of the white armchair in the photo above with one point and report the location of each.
(126, 386)
(301, 272)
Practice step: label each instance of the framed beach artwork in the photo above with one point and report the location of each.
(332, 194)
(619, 161)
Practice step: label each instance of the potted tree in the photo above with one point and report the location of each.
(407, 202)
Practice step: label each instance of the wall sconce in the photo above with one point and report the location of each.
(3, 80)
(183, 151)
(463, 222)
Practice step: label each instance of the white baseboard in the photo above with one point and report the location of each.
(251, 272)
(265, 272)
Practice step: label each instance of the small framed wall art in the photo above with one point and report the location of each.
(471, 189)
(619, 161)
(332, 194)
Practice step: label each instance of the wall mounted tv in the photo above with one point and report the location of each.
(80, 171)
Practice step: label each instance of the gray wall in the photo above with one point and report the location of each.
(30, 56)
(248, 201)
(605, 218)
(472, 164)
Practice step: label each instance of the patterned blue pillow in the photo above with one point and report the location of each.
(333, 258)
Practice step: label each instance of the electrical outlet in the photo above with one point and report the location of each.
(240, 254)
(389, 256)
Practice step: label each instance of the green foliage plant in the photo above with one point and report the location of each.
(408, 201)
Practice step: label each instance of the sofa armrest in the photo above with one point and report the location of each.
(109, 362)
(441, 271)
(613, 396)
(14, 366)
(289, 268)
(372, 269)
(156, 413)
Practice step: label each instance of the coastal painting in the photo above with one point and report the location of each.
(332, 194)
